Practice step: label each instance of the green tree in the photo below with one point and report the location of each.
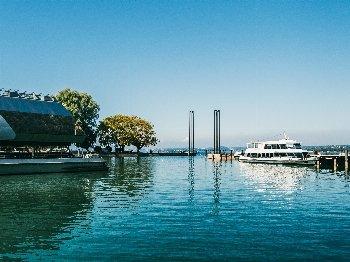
(85, 111)
(123, 130)
(143, 133)
(105, 135)
(119, 129)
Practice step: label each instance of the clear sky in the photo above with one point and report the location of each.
(270, 66)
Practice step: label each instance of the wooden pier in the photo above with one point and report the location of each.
(152, 153)
(220, 156)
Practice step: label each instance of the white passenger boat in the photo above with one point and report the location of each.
(284, 151)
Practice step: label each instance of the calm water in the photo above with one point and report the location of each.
(177, 209)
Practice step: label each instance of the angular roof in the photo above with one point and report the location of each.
(32, 106)
(36, 122)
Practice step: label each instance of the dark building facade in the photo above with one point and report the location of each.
(30, 121)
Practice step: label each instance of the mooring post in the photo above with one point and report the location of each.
(335, 164)
(346, 161)
(231, 154)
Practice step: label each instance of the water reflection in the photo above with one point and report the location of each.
(141, 210)
(36, 208)
(217, 166)
(191, 173)
(132, 177)
(284, 179)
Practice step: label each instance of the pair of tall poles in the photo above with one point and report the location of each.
(217, 137)
(217, 132)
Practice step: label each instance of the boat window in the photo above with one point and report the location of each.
(283, 146)
(290, 154)
(283, 154)
(299, 155)
(253, 154)
(274, 146)
(259, 155)
(267, 146)
(297, 146)
(271, 154)
(263, 154)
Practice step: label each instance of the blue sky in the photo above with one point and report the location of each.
(270, 66)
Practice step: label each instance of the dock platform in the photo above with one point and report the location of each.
(142, 154)
(333, 162)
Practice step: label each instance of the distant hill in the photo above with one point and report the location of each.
(328, 148)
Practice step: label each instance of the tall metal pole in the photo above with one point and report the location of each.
(192, 131)
(189, 133)
(216, 137)
(219, 133)
(214, 131)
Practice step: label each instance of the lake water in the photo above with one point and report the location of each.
(176, 208)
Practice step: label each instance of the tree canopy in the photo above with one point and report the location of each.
(143, 133)
(85, 111)
(124, 130)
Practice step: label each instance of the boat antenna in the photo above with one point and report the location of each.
(285, 136)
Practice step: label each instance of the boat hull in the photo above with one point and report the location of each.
(59, 165)
(300, 162)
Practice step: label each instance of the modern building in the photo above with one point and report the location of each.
(35, 120)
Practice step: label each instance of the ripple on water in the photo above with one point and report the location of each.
(177, 208)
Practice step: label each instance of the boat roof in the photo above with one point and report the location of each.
(281, 141)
